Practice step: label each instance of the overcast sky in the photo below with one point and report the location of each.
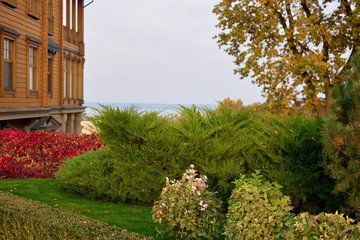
(158, 51)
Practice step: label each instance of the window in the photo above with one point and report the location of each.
(50, 17)
(34, 8)
(8, 64)
(50, 75)
(65, 78)
(8, 38)
(10, 3)
(70, 70)
(32, 68)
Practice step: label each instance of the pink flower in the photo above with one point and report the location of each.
(192, 166)
(205, 178)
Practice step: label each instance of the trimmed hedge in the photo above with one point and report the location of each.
(25, 219)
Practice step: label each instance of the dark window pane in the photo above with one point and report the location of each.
(8, 75)
(49, 83)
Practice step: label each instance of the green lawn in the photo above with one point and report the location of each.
(133, 218)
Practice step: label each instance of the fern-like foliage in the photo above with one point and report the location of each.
(288, 150)
(342, 139)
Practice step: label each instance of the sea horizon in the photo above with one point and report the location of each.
(165, 108)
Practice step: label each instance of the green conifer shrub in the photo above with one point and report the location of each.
(342, 139)
(288, 150)
(257, 210)
(215, 141)
(145, 149)
(94, 175)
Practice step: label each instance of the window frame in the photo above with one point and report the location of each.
(10, 59)
(12, 35)
(34, 44)
(50, 72)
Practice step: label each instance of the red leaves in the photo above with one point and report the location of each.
(39, 154)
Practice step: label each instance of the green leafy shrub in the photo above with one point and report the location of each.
(257, 210)
(323, 226)
(94, 175)
(25, 219)
(342, 139)
(187, 209)
(289, 151)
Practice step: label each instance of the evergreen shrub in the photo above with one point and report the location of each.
(288, 150)
(149, 147)
(224, 143)
(25, 219)
(215, 141)
(145, 149)
(94, 175)
(342, 139)
(257, 210)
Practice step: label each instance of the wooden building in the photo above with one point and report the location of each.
(41, 64)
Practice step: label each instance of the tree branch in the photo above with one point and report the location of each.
(306, 8)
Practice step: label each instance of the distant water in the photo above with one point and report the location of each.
(141, 107)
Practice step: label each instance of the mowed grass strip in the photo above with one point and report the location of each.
(50, 191)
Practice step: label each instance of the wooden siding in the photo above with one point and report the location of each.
(18, 19)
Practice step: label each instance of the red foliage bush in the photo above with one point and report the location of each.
(39, 154)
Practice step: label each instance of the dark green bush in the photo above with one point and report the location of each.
(149, 147)
(25, 219)
(93, 175)
(215, 142)
(145, 148)
(224, 143)
(289, 151)
(342, 139)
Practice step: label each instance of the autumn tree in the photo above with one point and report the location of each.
(296, 50)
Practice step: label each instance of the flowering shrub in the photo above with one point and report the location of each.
(39, 154)
(187, 209)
